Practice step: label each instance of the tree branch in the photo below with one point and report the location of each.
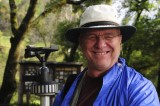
(30, 13)
(46, 12)
(13, 16)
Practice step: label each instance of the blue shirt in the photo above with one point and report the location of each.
(122, 86)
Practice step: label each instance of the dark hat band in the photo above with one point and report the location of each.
(99, 23)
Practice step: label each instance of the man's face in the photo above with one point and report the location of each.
(101, 47)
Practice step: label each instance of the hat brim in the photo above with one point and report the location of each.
(127, 32)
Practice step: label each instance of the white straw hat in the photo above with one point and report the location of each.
(100, 17)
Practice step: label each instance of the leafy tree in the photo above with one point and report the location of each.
(17, 42)
(69, 50)
(133, 50)
(20, 27)
(142, 50)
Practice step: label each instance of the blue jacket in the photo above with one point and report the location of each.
(122, 86)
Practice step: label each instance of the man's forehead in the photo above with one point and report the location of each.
(101, 30)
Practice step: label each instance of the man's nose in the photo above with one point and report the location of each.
(100, 42)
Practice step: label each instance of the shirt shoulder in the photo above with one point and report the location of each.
(141, 91)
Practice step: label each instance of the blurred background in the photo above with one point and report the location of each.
(42, 23)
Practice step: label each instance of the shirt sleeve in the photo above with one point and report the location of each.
(143, 93)
(58, 99)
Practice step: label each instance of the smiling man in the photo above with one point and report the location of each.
(107, 80)
(101, 47)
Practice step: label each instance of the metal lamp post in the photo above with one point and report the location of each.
(44, 85)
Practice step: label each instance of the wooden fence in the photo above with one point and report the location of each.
(28, 71)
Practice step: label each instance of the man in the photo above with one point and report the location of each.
(107, 80)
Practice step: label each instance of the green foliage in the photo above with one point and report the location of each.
(77, 8)
(142, 51)
(18, 1)
(55, 4)
(61, 29)
(136, 5)
(60, 38)
(4, 47)
(4, 17)
(94, 2)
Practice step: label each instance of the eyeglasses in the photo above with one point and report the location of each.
(105, 37)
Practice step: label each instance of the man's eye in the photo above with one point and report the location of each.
(91, 37)
(109, 36)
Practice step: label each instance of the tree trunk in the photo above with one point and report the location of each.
(73, 53)
(15, 53)
(9, 84)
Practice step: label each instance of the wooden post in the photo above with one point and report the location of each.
(20, 87)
